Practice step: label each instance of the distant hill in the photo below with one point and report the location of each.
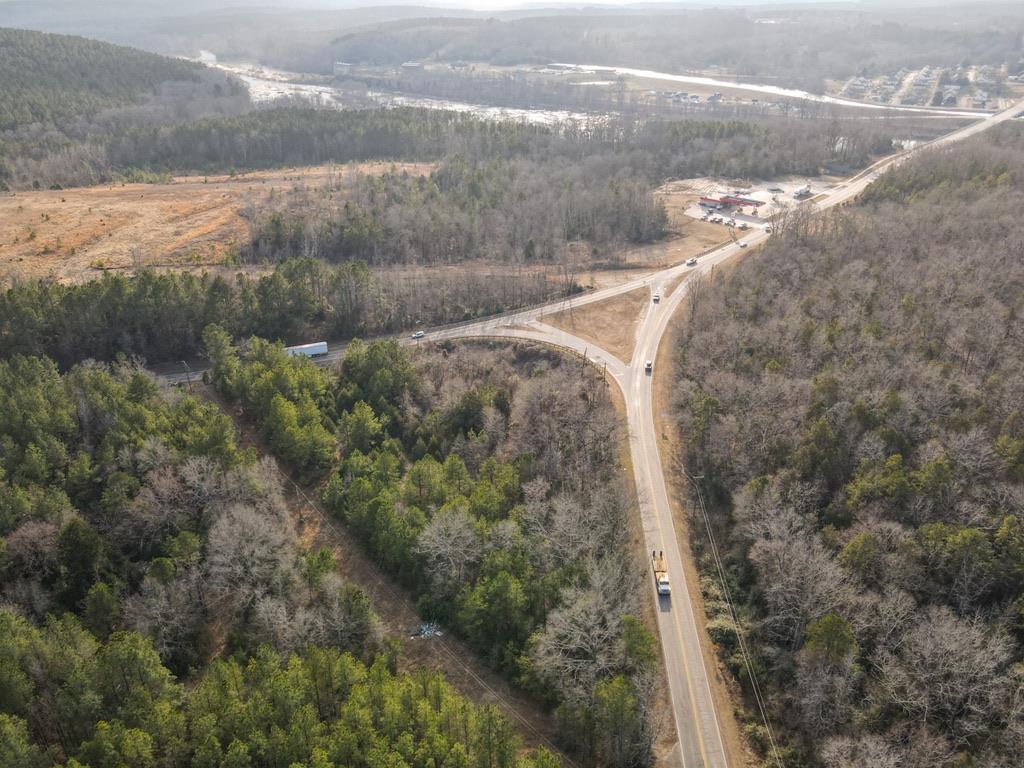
(798, 47)
(47, 78)
(235, 29)
(62, 98)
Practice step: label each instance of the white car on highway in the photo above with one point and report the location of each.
(691, 262)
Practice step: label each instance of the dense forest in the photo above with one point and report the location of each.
(852, 399)
(523, 194)
(134, 508)
(160, 317)
(487, 482)
(135, 534)
(71, 699)
(160, 609)
(52, 79)
(520, 211)
(61, 98)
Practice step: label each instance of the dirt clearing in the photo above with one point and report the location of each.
(611, 324)
(72, 235)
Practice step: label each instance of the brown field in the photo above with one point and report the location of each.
(72, 235)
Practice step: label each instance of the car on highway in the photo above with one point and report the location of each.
(691, 262)
(648, 366)
(418, 335)
(743, 243)
(656, 298)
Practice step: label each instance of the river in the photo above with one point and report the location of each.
(266, 84)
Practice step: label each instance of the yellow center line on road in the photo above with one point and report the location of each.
(675, 614)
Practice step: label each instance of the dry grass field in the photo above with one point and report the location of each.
(611, 324)
(72, 235)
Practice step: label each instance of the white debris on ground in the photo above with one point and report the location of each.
(427, 629)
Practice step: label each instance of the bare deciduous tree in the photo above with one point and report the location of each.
(249, 555)
(449, 545)
(950, 672)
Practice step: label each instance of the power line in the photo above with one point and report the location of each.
(332, 525)
(734, 615)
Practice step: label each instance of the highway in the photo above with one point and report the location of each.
(699, 735)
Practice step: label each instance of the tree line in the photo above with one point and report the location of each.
(485, 481)
(655, 149)
(160, 317)
(852, 399)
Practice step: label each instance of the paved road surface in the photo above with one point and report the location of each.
(699, 736)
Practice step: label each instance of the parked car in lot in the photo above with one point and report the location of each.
(691, 262)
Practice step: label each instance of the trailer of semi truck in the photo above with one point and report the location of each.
(316, 349)
(661, 573)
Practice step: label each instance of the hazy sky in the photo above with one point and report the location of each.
(190, 6)
(475, 4)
